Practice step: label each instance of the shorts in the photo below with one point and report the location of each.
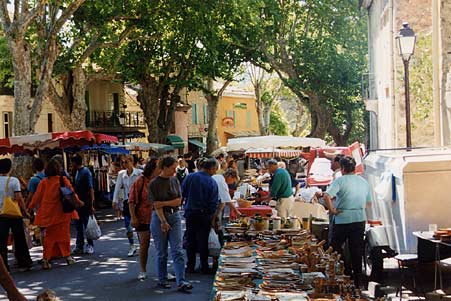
(143, 228)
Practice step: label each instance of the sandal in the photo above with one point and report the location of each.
(164, 285)
(46, 265)
(185, 287)
(70, 260)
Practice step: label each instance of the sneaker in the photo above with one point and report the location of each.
(185, 287)
(132, 251)
(89, 250)
(142, 276)
(77, 251)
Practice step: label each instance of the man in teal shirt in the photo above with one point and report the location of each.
(281, 189)
(353, 195)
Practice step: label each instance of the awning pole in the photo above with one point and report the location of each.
(64, 160)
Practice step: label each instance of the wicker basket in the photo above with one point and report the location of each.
(242, 203)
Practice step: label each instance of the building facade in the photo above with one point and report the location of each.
(237, 115)
(383, 86)
(48, 120)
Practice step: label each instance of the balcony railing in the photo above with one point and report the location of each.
(112, 119)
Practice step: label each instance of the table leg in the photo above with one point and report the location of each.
(437, 248)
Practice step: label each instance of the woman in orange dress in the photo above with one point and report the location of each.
(50, 215)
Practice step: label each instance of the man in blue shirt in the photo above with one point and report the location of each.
(201, 200)
(84, 188)
(38, 167)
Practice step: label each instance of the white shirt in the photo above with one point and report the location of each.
(14, 186)
(223, 188)
(125, 181)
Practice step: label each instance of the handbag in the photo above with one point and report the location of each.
(10, 207)
(68, 199)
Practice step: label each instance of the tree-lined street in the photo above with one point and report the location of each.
(108, 274)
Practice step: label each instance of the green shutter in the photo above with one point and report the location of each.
(248, 119)
(234, 119)
(205, 114)
(194, 116)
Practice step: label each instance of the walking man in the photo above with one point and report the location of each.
(84, 188)
(281, 189)
(125, 179)
(201, 200)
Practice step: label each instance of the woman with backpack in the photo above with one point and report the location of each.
(141, 211)
(51, 216)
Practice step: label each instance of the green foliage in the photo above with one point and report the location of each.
(278, 124)
(6, 66)
(316, 47)
(421, 80)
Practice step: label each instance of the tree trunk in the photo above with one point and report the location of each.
(212, 135)
(148, 99)
(22, 87)
(45, 76)
(71, 104)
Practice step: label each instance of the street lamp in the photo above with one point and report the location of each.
(122, 122)
(406, 42)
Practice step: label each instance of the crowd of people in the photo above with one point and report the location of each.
(151, 194)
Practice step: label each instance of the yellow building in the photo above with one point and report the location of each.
(48, 120)
(237, 115)
(113, 109)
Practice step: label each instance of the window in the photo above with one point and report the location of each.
(50, 122)
(205, 114)
(116, 102)
(7, 124)
(194, 114)
(232, 114)
(248, 119)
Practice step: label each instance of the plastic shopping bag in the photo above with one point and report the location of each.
(214, 247)
(93, 230)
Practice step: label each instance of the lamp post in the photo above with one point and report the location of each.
(406, 42)
(122, 122)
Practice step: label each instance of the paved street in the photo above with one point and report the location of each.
(107, 275)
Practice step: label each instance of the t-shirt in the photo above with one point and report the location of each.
(83, 183)
(163, 189)
(14, 186)
(191, 165)
(223, 188)
(352, 193)
(34, 182)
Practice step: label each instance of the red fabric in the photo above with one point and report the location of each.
(67, 139)
(57, 241)
(102, 138)
(263, 210)
(47, 197)
(143, 208)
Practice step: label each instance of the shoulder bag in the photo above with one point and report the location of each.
(10, 207)
(68, 199)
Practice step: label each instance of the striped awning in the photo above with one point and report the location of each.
(270, 153)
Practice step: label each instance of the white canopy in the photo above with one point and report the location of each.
(236, 144)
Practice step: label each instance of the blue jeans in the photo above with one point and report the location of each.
(127, 222)
(81, 225)
(174, 237)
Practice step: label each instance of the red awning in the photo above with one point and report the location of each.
(31, 143)
(104, 138)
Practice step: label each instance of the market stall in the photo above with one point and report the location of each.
(266, 260)
(243, 144)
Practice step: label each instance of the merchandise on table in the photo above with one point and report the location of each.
(281, 265)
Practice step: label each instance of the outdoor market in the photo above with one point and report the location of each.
(261, 250)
